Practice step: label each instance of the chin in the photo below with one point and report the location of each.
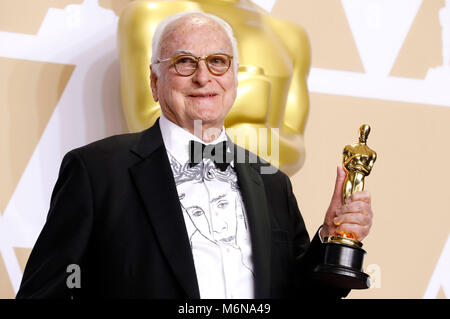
(209, 116)
(214, 120)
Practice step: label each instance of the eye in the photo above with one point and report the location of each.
(185, 60)
(218, 60)
(196, 211)
(181, 196)
(222, 204)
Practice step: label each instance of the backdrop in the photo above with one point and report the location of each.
(379, 62)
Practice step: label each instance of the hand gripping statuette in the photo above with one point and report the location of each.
(343, 257)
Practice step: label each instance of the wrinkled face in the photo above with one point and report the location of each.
(201, 96)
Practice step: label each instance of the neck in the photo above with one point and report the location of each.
(207, 133)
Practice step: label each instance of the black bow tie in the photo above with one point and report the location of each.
(215, 152)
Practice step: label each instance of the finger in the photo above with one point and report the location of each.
(359, 231)
(353, 218)
(336, 199)
(356, 207)
(363, 196)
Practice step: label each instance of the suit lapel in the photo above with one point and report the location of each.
(254, 197)
(155, 184)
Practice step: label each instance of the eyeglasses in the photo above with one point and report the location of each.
(187, 64)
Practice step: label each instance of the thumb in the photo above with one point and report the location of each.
(336, 202)
(336, 199)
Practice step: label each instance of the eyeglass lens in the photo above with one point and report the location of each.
(217, 64)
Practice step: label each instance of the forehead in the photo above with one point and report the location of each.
(196, 34)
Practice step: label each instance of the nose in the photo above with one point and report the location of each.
(220, 226)
(201, 75)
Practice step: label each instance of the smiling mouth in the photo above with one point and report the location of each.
(202, 96)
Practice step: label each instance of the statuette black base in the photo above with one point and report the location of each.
(342, 267)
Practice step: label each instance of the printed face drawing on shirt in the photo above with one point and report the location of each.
(218, 217)
(225, 221)
(196, 208)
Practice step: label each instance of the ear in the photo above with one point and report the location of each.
(154, 84)
(237, 75)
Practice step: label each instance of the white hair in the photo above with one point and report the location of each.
(163, 24)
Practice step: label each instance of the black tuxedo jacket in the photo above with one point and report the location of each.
(115, 213)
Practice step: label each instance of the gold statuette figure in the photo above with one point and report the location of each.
(358, 160)
(274, 61)
(343, 256)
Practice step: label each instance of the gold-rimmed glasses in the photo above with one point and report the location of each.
(187, 64)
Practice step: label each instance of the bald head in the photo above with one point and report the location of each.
(188, 23)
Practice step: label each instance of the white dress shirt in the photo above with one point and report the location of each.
(215, 218)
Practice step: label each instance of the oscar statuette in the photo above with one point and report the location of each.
(343, 257)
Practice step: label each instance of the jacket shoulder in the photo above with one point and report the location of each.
(111, 143)
(107, 151)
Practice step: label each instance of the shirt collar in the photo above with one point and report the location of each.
(177, 139)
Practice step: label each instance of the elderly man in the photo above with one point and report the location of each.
(139, 217)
